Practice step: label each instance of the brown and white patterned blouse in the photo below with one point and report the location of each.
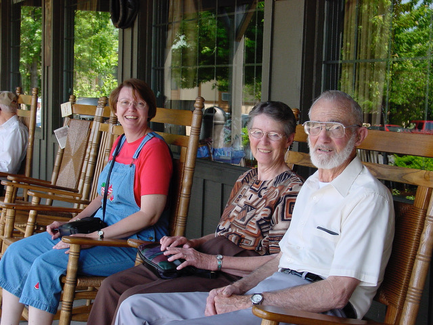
(258, 213)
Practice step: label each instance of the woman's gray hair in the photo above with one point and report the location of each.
(345, 101)
(277, 111)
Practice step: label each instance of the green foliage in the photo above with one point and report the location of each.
(30, 47)
(203, 51)
(392, 41)
(413, 162)
(410, 75)
(245, 138)
(95, 54)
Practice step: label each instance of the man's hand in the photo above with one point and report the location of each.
(233, 303)
(225, 299)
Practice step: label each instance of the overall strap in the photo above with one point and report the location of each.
(111, 162)
(148, 137)
(119, 146)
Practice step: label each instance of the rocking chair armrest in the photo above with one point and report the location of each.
(50, 188)
(28, 180)
(274, 314)
(5, 175)
(44, 208)
(60, 197)
(72, 240)
(137, 242)
(38, 182)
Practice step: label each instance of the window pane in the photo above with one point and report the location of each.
(93, 40)
(30, 47)
(211, 49)
(385, 58)
(26, 41)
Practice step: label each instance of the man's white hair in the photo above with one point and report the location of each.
(9, 109)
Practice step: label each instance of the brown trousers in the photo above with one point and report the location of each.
(117, 287)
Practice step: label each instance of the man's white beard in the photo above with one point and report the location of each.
(332, 161)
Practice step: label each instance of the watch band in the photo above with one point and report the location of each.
(219, 261)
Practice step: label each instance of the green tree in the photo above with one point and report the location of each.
(30, 47)
(203, 50)
(411, 90)
(95, 54)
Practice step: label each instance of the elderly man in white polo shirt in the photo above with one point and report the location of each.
(13, 134)
(333, 256)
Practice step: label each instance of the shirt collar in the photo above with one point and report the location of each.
(9, 122)
(344, 181)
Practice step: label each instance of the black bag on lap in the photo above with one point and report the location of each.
(82, 226)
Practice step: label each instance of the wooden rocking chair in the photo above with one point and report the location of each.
(76, 159)
(183, 176)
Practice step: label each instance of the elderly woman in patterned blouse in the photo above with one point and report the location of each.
(254, 220)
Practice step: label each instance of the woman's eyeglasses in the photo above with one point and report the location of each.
(258, 134)
(127, 104)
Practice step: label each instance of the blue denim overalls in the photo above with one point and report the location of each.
(31, 269)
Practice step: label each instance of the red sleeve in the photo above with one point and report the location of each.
(153, 170)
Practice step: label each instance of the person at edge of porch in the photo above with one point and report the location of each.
(13, 134)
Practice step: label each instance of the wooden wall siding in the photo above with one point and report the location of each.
(211, 189)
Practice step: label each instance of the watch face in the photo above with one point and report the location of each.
(256, 298)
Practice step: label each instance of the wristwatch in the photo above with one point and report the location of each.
(219, 258)
(257, 298)
(101, 234)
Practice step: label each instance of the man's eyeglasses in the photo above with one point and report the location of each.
(335, 130)
(127, 103)
(258, 134)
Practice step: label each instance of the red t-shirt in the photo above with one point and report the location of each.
(153, 167)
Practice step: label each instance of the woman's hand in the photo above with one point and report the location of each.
(63, 245)
(52, 229)
(191, 257)
(174, 241)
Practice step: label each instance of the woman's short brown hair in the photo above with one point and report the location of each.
(278, 111)
(142, 89)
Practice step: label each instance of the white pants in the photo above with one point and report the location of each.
(188, 308)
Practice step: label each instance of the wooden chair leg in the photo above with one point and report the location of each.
(70, 285)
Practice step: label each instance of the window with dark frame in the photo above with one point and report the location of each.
(380, 52)
(213, 49)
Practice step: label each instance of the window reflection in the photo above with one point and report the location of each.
(384, 59)
(211, 49)
(91, 45)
